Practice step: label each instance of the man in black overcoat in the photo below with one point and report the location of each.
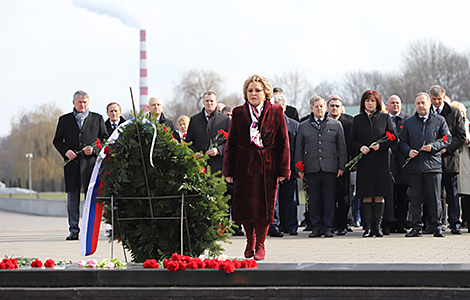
(342, 196)
(77, 131)
(114, 112)
(450, 155)
(203, 128)
(396, 210)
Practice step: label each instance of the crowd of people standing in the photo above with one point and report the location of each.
(408, 172)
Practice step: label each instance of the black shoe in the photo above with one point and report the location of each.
(367, 233)
(342, 232)
(385, 231)
(455, 231)
(293, 232)
(413, 233)
(315, 234)
(73, 236)
(438, 233)
(328, 233)
(307, 228)
(276, 233)
(349, 229)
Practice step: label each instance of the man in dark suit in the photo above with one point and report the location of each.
(342, 199)
(450, 155)
(397, 209)
(423, 136)
(156, 113)
(203, 128)
(113, 110)
(77, 131)
(321, 146)
(287, 204)
(290, 111)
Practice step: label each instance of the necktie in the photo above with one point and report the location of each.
(80, 118)
(114, 126)
(438, 111)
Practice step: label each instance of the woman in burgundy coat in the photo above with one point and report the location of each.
(256, 158)
(374, 182)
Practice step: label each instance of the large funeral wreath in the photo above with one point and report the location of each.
(177, 170)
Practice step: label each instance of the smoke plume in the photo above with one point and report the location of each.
(108, 9)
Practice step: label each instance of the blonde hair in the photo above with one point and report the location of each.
(315, 98)
(460, 107)
(268, 88)
(182, 118)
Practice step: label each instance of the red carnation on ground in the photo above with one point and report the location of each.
(227, 266)
(237, 263)
(151, 264)
(444, 138)
(300, 166)
(173, 266)
(49, 263)
(36, 263)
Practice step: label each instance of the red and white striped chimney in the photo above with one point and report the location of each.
(143, 72)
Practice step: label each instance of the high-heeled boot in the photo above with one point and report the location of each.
(378, 216)
(261, 233)
(367, 211)
(250, 239)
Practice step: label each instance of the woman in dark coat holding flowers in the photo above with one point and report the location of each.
(374, 182)
(256, 158)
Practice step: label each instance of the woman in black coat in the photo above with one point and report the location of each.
(374, 182)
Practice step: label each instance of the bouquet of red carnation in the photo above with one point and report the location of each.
(97, 143)
(355, 160)
(300, 166)
(444, 139)
(221, 136)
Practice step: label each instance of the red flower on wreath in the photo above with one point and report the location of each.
(300, 166)
(444, 138)
(151, 264)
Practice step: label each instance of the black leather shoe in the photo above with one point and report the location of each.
(386, 231)
(237, 232)
(293, 232)
(413, 233)
(276, 233)
(73, 236)
(427, 231)
(438, 233)
(367, 233)
(342, 232)
(307, 228)
(328, 233)
(315, 234)
(455, 231)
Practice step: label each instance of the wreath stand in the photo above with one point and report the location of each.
(182, 217)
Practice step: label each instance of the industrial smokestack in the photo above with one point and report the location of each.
(143, 72)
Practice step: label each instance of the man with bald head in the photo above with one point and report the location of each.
(156, 112)
(397, 210)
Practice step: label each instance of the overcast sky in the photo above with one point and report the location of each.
(51, 48)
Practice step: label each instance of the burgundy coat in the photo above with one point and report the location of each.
(255, 170)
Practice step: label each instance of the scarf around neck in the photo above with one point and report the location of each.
(255, 134)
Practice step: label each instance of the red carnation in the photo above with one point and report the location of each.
(401, 127)
(49, 263)
(444, 138)
(98, 144)
(237, 264)
(151, 264)
(107, 150)
(184, 135)
(227, 266)
(2, 266)
(193, 265)
(165, 263)
(390, 136)
(300, 166)
(173, 266)
(36, 263)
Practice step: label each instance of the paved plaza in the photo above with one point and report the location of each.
(44, 237)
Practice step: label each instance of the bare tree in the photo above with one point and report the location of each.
(233, 99)
(295, 86)
(190, 90)
(428, 62)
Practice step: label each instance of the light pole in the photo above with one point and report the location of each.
(29, 156)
